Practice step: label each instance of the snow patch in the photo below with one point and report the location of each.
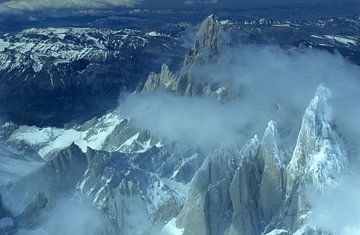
(171, 229)
(347, 40)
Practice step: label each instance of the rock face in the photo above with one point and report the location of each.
(272, 167)
(142, 185)
(55, 177)
(118, 188)
(164, 80)
(220, 191)
(255, 191)
(319, 155)
(208, 47)
(208, 44)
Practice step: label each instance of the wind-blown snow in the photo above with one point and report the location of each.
(12, 167)
(171, 229)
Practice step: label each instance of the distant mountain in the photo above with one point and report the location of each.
(54, 76)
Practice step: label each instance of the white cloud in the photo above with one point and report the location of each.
(275, 84)
(189, 2)
(70, 217)
(19, 6)
(337, 209)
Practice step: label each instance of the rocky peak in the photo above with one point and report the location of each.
(208, 42)
(320, 155)
(218, 194)
(206, 50)
(320, 152)
(162, 81)
(270, 153)
(271, 161)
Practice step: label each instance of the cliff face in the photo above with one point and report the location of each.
(135, 179)
(209, 45)
(254, 190)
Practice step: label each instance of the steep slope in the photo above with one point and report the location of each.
(252, 191)
(135, 178)
(209, 45)
(49, 76)
(320, 153)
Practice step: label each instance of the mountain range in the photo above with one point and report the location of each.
(130, 180)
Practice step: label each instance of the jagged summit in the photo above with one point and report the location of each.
(208, 43)
(278, 200)
(206, 50)
(320, 153)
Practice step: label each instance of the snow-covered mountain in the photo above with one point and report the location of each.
(164, 183)
(84, 69)
(142, 183)
(75, 70)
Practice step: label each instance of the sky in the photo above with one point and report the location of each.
(21, 6)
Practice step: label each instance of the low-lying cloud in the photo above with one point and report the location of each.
(70, 217)
(202, 122)
(275, 84)
(337, 209)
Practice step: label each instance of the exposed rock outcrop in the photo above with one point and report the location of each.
(272, 169)
(57, 177)
(214, 198)
(320, 152)
(255, 191)
(121, 184)
(209, 45)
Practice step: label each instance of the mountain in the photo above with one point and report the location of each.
(253, 190)
(140, 183)
(208, 47)
(48, 76)
(166, 181)
(83, 68)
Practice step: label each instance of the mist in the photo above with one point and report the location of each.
(337, 209)
(274, 84)
(70, 217)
